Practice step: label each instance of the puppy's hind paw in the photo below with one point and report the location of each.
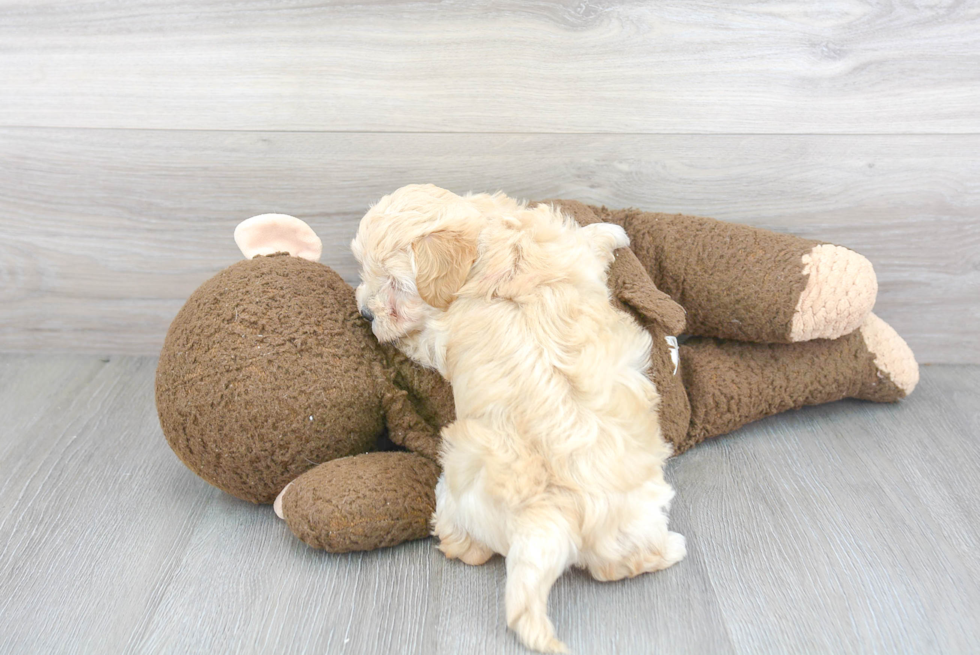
(675, 549)
(476, 554)
(465, 549)
(672, 550)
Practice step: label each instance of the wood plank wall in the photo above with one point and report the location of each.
(134, 136)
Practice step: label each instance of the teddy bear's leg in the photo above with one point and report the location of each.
(731, 383)
(362, 502)
(750, 284)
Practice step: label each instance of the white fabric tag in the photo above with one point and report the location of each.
(675, 352)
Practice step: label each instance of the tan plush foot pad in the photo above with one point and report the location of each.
(839, 293)
(893, 357)
(277, 505)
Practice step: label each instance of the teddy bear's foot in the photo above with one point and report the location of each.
(897, 372)
(840, 291)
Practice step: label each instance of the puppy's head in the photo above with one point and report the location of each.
(415, 249)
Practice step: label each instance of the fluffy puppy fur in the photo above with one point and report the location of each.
(556, 457)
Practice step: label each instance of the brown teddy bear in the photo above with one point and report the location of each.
(272, 387)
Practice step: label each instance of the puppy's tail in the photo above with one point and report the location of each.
(534, 561)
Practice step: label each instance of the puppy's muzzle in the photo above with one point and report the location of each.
(366, 313)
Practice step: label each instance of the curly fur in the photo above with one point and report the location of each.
(556, 457)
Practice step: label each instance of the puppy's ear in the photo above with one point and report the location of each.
(442, 262)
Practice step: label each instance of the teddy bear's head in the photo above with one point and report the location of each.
(268, 369)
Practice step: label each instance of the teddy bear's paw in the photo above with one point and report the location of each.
(840, 291)
(892, 357)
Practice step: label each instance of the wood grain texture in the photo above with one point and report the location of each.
(92, 524)
(846, 528)
(544, 66)
(831, 518)
(104, 233)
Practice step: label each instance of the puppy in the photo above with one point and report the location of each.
(556, 456)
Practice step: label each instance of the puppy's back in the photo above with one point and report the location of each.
(548, 360)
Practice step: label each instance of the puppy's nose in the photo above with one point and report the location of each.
(366, 313)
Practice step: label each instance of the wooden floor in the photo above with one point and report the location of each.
(848, 528)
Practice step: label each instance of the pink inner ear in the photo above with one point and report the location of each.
(267, 234)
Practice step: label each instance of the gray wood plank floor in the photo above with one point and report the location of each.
(847, 528)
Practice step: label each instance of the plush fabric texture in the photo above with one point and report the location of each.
(267, 370)
(360, 503)
(840, 290)
(731, 383)
(747, 284)
(892, 355)
(417, 406)
(269, 375)
(755, 297)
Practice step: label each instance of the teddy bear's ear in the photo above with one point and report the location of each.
(268, 234)
(632, 286)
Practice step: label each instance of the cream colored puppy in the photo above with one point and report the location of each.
(556, 457)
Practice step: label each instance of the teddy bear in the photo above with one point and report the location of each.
(272, 387)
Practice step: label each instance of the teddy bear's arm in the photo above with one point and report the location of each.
(417, 402)
(632, 286)
(745, 283)
(368, 501)
(407, 429)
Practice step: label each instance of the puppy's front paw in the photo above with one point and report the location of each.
(620, 238)
(606, 238)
